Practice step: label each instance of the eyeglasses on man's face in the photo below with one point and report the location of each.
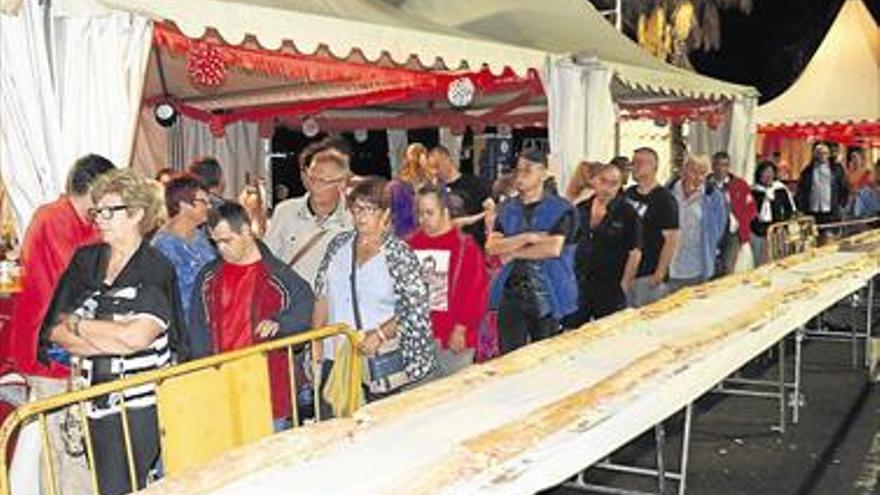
(105, 212)
(204, 201)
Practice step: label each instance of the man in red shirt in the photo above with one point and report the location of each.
(56, 230)
(245, 297)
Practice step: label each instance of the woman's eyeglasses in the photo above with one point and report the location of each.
(203, 201)
(359, 209)
(105, 212)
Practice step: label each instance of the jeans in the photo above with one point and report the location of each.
(759, 249)
(449, 362)
(729, 251)
(675, 284)
(643, 293)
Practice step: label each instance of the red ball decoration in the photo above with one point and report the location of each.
(206, 66)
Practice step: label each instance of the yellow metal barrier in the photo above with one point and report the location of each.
(205, 407)
(791, 237)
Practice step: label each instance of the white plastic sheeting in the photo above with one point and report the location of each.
(70, 86)
(581, 115)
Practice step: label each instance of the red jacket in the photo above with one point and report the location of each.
(742, 205)
(56, 231)
(279, 295)
(467, 296)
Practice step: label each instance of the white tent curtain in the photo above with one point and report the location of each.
(397, 143)
(152, 149)
(240, 151)
(741, 144)
(30, 126)
(736, 135)
(581, 115)
(70, 86)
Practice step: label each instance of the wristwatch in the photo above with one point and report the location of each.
(73, 323)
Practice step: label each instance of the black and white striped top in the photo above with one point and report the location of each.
(145, 288)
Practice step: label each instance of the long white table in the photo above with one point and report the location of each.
(476, 432)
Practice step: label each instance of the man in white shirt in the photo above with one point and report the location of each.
(301, 228)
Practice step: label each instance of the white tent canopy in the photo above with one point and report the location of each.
(572, 27)
(841, 83)
(343, 26)
(587, 65)
(607, 68)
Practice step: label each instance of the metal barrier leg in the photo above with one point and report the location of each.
(660, 438)
(869, 322)
(853, 330)
(47, 454)
(781, 383)
(294, 409)
(685, 448)
(796, 402)
(579, 482)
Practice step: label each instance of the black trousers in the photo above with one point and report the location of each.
(111, 461)
(518, 324)
(598, 299)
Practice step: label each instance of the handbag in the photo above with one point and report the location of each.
(385, 370)
(72, 428)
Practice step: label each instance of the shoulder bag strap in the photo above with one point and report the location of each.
(352, 278)
(306, 247)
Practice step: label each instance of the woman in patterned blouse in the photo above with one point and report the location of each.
(392, 298)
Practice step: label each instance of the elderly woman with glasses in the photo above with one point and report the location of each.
(370, 279)
(116, 313)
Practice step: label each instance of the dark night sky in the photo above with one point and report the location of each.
(771, 46)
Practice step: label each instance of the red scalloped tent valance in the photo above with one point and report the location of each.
(678, 113)
(866, 133)
(383, 85)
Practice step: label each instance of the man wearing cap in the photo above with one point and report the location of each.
(534, 235)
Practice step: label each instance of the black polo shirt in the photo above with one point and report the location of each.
(602, 251)
(658, 211)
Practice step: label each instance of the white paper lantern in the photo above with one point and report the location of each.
(461, 92)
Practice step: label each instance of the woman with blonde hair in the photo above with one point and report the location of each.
(251, 199)
(417, 171)
(116, 312)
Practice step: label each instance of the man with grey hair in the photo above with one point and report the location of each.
(703, 216)
(301, 228)
(823, 190)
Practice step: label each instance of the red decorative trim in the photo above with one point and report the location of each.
(712, 113)
(867, 133)
(388, 84)
(448, 118)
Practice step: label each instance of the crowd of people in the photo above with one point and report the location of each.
(434, 269)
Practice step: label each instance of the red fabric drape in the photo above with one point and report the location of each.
(866, 133)
(384, 85)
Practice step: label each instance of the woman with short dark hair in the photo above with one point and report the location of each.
(774, 204)
(370, 279)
